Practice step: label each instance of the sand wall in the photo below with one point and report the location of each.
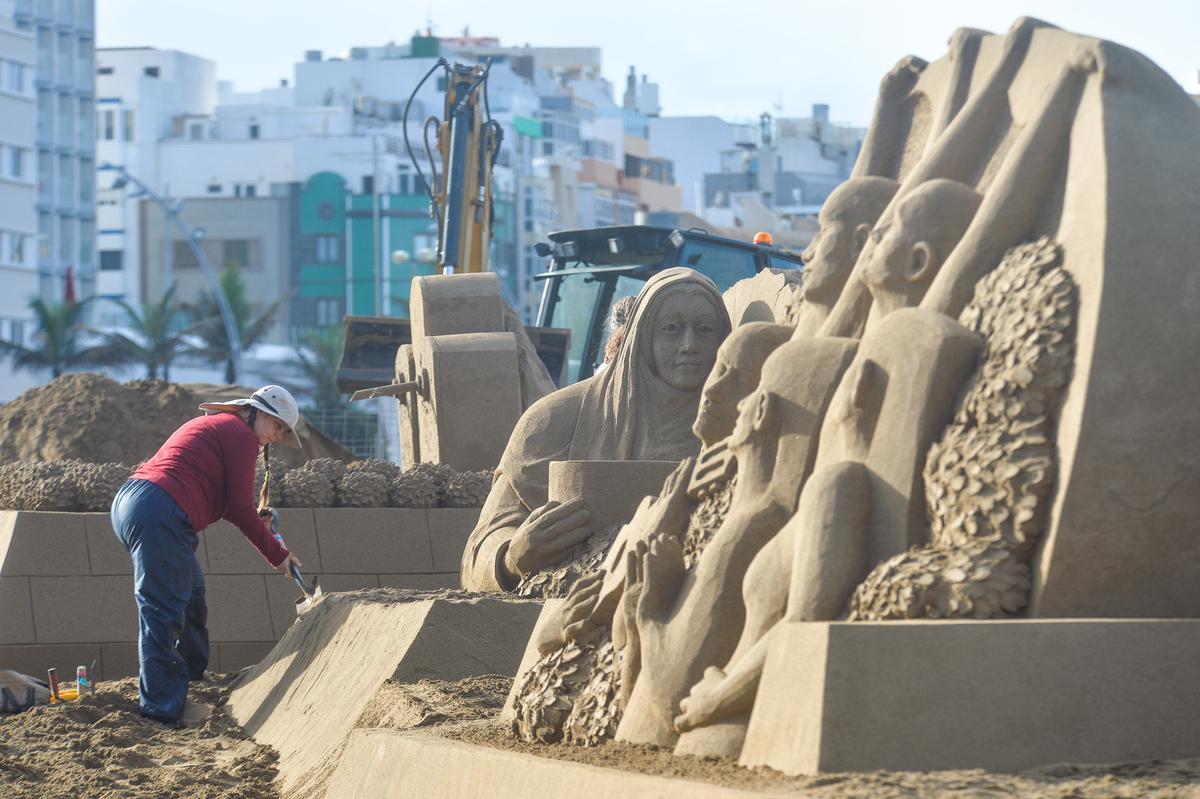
(66, 584)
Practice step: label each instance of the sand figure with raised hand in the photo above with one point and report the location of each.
(691, 504)
(846, 220)
(681, 620)
(203, 473)
(640, 408)
(863, 504)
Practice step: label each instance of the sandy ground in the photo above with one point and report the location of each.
(100, 748)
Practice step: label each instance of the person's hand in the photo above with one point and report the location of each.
(701, 705)
(285, 565)
(547, 535)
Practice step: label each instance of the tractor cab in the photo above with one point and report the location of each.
(592, 269)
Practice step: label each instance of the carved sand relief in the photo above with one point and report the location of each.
(989, 479)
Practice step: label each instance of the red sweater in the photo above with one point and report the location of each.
(207, 466)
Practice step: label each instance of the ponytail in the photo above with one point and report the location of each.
(264, 494)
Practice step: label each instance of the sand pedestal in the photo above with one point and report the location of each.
(1003, 695)
(381, 763)
(307, 695)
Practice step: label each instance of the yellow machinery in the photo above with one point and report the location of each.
(468, 141)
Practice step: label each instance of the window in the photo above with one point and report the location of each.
(129, 126)
(66, 121)
(196, 131)
(151, 72)
(112, 260)
(45, 237)
(104, 70)
(368, 184)
(87, 244)
(182, 257)
(14, 77)
(87, 133)
(109, 125)
(214, 188)
(251, 190)
(254, 130)
(16, 331)
(17, 248)
(66, 181)
(66, 241)
(45, 116)
(329, 312)
(236, 251)
(329, 250)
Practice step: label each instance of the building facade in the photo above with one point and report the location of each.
(65, 139)
(18, 177)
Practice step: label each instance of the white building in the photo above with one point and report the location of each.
(18, 189)
(144, 96)
(66, 163)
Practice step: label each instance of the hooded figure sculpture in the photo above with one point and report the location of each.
(640, 408)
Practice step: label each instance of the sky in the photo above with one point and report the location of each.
(732, 59)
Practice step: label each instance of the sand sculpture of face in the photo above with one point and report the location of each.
(846, 221)
(685, 337)
(734, 375)
(910, 244)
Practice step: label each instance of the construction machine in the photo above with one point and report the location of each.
(464, 355)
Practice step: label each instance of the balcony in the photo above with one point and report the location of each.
(23, 10)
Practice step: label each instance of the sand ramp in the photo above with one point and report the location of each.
(306, 696)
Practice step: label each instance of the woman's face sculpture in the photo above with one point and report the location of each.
(686, 335)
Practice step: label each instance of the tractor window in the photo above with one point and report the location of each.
(725, 265)
(577, 297)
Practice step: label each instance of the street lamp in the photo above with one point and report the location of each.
(192, 236)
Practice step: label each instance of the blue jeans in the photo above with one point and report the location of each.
(169, 587)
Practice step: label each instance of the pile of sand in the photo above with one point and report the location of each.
(91, 418)
(100, 748)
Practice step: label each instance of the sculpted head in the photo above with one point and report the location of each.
(735, 374)
(686, 331)
(909, 245)
(789, 402)
(846, 221)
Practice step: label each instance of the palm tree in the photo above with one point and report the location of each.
(317, 357)
(251, 329)
(158, 339)
(57, 345)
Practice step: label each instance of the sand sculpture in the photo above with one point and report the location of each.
(997, 308)
(572, 691)
(640, 408)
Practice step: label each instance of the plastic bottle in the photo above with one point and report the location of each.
(82, 682)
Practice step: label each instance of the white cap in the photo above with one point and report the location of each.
(276, 401)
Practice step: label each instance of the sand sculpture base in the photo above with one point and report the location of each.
(66, 584)
(391, 763)
(998, 695)
(307, 695)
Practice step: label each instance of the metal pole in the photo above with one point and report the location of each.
(377, 267)
(231, 332)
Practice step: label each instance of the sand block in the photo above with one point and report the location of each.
(106, 553)
(235, 607)
(372, 540)
(233, 656)
(472, 400)
(42, 543)
(306, 695)
(75, 610)
(444, 304)
(450, 580)
(34, 659)
(611, 490)
(549, 615)
(230, 553)
(998, 695)
(16, 611)
(449, 529)
(121, 660)
(394, 763)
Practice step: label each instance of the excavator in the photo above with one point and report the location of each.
(589, 270)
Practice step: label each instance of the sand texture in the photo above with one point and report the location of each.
(100, 748)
